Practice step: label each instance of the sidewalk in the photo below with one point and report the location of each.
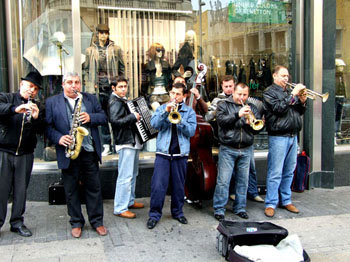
(322, 225)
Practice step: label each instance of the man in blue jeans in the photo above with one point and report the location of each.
(252, 193)
(128, 147)
(283, 111)
(236, 138)
(173, 148)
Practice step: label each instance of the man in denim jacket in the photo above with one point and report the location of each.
(173, 147)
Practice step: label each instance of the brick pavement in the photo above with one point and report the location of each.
(322, 227)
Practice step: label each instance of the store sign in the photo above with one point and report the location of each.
(257, 11)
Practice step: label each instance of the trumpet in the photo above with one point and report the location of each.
(310, 93)
(253, 122)
(174, 116)
(29, 111)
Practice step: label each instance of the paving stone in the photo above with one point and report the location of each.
(322, 227)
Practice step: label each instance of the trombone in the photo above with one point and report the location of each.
(311, 94)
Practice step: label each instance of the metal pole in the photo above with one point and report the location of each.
(316, 80)
(4, 84)
(200, 29)
(76, 32)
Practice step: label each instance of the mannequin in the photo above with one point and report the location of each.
(187, 62)
(340, 95)
(159, 74)
(103, 62)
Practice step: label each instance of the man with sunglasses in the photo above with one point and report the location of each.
(103, 62)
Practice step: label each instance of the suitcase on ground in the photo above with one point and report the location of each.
(232, 233)
(56, 193)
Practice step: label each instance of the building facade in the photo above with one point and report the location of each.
(244, 38)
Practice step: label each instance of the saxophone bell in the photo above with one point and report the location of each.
(77, 132)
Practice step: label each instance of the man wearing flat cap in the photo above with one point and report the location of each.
(20, 121)
(103, 63)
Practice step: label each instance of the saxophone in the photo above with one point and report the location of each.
(77, 132)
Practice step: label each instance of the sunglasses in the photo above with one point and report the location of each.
(159, 49)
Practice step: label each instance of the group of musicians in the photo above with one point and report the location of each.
(21, 118)
(68, 114)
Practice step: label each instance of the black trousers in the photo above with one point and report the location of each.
(15, 174)
(85, 169)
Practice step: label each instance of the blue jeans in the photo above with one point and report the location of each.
(128, 169)
(281, 163)
(252, 183)
(232, 159)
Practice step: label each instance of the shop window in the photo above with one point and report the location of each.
(342, 75)
(244, 38)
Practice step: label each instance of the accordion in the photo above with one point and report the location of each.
(143, 127)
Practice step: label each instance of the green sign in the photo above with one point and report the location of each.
(257, 11)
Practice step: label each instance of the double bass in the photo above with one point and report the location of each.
(201, 169)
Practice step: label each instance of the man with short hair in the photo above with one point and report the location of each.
(227, 85)
(103, 62)
(20, 121)
(283, 114)
(173, 148)
(236, 138)
(128, 146)
(61, 109)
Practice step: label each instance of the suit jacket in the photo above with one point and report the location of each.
(58, 123)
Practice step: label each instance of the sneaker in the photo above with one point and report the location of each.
(106, 150)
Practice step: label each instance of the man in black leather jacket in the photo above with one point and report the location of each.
(128, 147)
(20, 121)
(283, 111)
(236, 138)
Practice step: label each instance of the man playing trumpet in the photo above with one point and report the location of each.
(173, 147)
(283, 111)
(236, 137)
(21, 119)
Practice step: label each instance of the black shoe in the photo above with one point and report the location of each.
(22, 231)
(151, 223)
(219, 217)
(182, 220)
(243, 215)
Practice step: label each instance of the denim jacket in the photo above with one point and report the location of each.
(185, 129)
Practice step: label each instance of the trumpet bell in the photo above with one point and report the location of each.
(257, 125)
(174, 117)
(325, 97)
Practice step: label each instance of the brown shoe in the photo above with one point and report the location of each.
(269, 212)
(127, 214)
(101, 230)
(76, 232)
(291, 208)
(137, 205)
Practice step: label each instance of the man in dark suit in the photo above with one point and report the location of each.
(59, 117)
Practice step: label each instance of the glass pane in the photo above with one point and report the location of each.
(242, 38)
(342, 75)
